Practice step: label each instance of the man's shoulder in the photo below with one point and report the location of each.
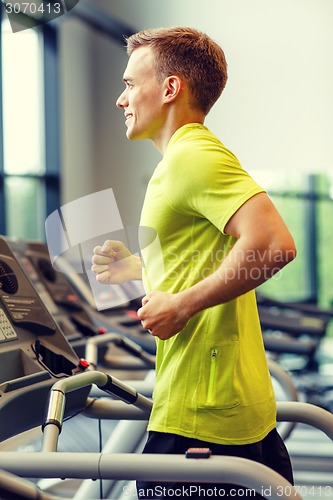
(197, 146)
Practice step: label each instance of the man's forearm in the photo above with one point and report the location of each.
(241, 271)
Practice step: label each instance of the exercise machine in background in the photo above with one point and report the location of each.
(296, 335)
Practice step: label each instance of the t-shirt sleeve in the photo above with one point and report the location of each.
(209, 184)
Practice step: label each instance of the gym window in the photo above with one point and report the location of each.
(29, 171)
(307, 208)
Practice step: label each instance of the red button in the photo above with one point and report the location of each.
(71, 297)
(102, 330)
(84, 363)
(132, 314)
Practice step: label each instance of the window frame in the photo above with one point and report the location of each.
(50, 178)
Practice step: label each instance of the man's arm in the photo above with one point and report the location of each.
(264, 246)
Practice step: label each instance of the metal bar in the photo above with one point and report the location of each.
(109, 409)
(306, 413)
(312, 241)
(80, 380)
(323, 465)
(145, 387)
(21, 488)
(284, 379)
(52, 126)
(147, 467)
(50, 438)
(124, 439)
(91, 352)
(103, 381)
(289, 389)
(2, 175)
(53, 422)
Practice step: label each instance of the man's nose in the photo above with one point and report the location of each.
(120, 102)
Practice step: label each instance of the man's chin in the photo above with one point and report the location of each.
(132, 136)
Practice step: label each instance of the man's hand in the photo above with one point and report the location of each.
(163, 314)
(113, 263)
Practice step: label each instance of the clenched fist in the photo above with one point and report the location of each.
(113, 263)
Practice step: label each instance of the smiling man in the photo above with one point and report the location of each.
(213, 387)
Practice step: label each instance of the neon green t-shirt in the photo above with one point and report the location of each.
(212, 380)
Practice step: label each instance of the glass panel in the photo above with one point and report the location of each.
(285, 190)
(25, 217)
(291, 282)
(325, 239)
(324, 185)
(23, 125)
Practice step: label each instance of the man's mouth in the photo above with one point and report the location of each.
(128, 116)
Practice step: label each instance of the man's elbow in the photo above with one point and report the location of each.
(290, 249)
(285, 251)
(291, 253)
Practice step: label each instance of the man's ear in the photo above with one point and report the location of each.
(172, 87)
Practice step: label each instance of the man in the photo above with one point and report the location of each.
(220, 237)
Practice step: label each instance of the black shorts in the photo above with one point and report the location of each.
(271, 452)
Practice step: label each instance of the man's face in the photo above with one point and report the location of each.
(142, 98)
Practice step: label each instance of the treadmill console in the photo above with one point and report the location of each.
(7, 331)
(20, 301)
(56, 292)
(34, 352)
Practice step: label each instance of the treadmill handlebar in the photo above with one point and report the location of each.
(115, 387)
(111, 385)
(55, 409)
(119, 340)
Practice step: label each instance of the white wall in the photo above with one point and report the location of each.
(77, 109)
(95, 151)
(275, 114)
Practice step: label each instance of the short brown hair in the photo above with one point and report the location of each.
(187, 53)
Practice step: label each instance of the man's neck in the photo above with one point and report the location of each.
(174, 122)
